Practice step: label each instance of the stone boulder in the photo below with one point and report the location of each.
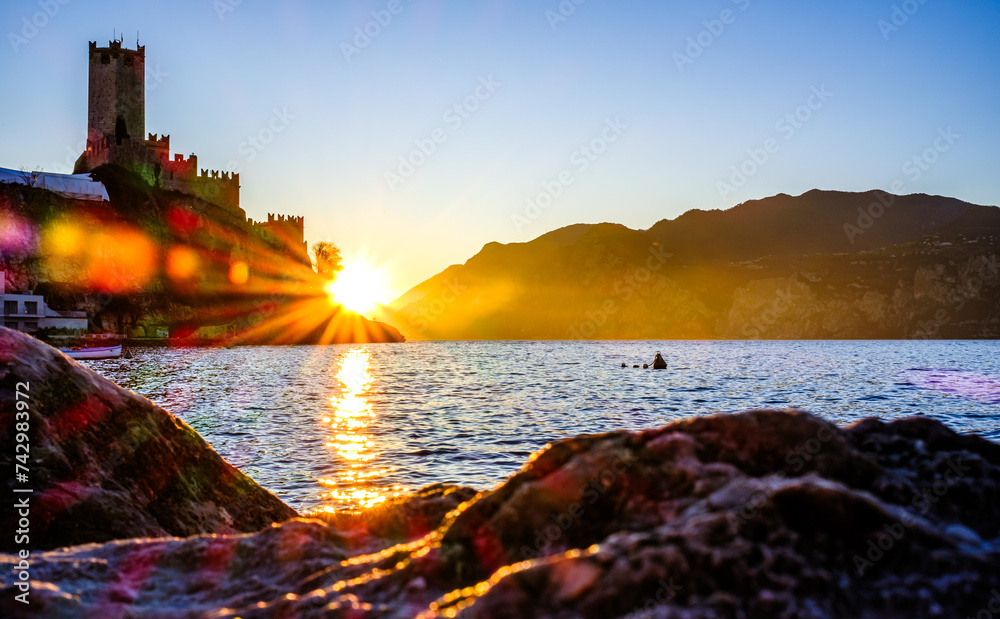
(757, 514)
(106, 464)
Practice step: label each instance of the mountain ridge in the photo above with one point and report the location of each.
(698, 264)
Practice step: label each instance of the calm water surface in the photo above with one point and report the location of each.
(332, 427)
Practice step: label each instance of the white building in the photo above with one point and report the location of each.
(76, 186)
(28, 312)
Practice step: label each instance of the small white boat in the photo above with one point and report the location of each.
(103, 352)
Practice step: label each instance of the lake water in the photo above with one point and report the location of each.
(347, 426)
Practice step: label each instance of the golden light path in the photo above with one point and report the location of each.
(355, 484)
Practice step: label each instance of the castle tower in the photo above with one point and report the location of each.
(116, 132)
(117, 98)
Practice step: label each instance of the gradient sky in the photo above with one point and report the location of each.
(218, 70)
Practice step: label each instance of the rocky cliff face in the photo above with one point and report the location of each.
(951, 297)
(104, 463)
(757, 514)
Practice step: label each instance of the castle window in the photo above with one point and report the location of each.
(105, 59)
(121, 132)
(128, 61)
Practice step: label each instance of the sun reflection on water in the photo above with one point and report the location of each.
(356, 482)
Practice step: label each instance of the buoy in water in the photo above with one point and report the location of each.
(624, 365)
(645, 366)
(658, 362)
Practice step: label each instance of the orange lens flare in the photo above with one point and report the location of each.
(182, 263)
(63, 239)
(121, 259)
(239, 273)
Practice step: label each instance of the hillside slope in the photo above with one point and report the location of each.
(781, 267)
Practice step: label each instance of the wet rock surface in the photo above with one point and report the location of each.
(104, 463)
(756, 514)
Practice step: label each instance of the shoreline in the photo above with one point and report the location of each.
(221, 343)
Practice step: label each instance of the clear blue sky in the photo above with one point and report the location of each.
(611, 69)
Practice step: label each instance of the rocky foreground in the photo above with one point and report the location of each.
(758, 514)
(104, 463)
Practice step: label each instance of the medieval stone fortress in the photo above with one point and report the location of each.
(116, 134)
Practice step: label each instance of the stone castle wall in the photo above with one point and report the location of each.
(116, 122)
(286, 230)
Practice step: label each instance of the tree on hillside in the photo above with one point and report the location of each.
(327, 259)
(30, 178)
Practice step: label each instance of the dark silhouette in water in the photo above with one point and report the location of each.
(658, 362)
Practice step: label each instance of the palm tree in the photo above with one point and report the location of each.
(327, 259)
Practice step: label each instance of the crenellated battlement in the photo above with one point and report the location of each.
(285, 219)
(153, 140)
(216, 175)
(285, 230)
(179, 168)
(115, 47)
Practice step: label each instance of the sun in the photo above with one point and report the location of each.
(360, 287)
